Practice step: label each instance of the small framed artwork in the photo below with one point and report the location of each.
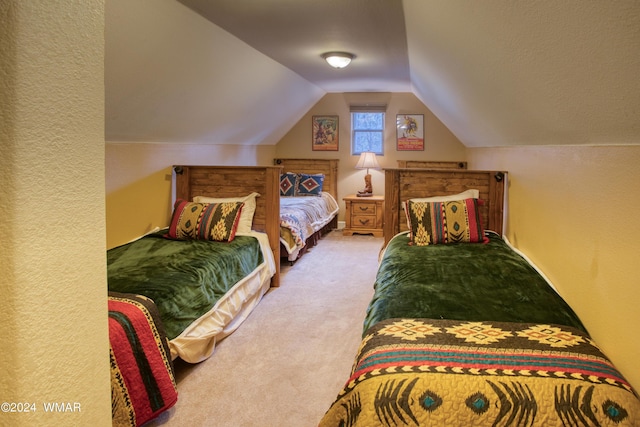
(410, 132)
(324, 133)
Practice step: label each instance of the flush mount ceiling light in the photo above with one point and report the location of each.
(338, 59)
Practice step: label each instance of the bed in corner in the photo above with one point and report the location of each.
(206, 275)
(462, 330)
(176, 292)
(308, 203)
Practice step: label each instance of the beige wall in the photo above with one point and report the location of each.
(573, 211)
(53, 305)
(440, 143)
(139, 180)
(138, 175)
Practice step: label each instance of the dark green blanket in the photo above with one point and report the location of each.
(465, 281)
(183, 278)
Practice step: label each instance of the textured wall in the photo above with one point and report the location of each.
(572, 210)
(53, 294)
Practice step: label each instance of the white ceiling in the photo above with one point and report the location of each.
(495, 72)
(296, 33)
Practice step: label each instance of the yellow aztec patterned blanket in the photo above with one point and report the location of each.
(142, 378)
(425, 372)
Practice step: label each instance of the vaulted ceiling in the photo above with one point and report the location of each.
(495, 72)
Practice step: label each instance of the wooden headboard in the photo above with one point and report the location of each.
(428, 164)
(328, 167)
(403, 184)
(237, 181)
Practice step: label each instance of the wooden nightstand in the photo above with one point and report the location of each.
(364, 215)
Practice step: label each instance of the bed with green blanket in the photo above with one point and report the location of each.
(203, 289)
(470, 334)
(481, 281)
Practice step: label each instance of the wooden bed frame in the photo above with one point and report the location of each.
(237, 181)
(429, 164)
(327, 167)
(403, 184)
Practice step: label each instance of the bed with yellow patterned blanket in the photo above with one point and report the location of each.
(434, 372)
(463, 330)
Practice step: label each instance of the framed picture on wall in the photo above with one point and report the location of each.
(410, 132)
(324, 133)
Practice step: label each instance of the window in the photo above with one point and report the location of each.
(367, 132)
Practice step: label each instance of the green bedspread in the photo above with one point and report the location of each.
(466, 281)
(183, 278)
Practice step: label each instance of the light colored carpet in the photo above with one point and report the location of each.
(286, 363)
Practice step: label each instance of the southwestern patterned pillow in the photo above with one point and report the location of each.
(205, 221)
(309, 184)
(456, 221)
(288, 182)
(248, 210)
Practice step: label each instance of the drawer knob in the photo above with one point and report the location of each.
(364, 221)
(364, 208)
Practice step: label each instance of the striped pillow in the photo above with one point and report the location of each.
(432, 223)
(205, 221)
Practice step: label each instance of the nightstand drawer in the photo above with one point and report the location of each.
(363, 221)
(359, 208)
(364, 215)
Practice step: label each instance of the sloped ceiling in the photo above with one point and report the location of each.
(173, 77)
(502, 72)
(495, 72)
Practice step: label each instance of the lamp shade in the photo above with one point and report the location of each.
(367, 160)
(338, 59)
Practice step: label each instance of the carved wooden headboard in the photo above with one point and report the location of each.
(328, 167)
(404, 184)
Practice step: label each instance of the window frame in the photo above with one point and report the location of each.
(354, 131)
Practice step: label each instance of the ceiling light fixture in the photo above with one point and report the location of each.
(338, 59)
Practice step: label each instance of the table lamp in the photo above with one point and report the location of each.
(367, 161)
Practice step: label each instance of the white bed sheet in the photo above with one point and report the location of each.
(197, 342)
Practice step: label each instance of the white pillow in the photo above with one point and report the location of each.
(246, 216)
(468, 194)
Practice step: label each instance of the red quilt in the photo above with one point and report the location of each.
(142, 377)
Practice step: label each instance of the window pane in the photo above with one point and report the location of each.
(368, 121)
(367, 141)
(367, 132)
